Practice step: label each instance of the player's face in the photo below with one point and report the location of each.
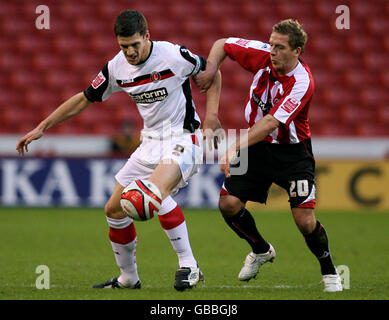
(136, 48)
(283, 58)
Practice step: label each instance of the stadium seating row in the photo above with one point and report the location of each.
(41, 68)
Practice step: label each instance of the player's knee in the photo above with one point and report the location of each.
(112, 211)
(306, 225)
(229, 205)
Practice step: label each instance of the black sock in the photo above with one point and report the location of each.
(317, 242)
(244, 226)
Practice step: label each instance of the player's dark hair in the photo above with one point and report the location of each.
(129, 22)
(297, 36)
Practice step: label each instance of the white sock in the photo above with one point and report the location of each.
(173, 222)
(123, 241)
(125, 256)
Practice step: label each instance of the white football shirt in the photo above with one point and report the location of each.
(160, 87)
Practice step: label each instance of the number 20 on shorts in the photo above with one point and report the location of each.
(299, 188)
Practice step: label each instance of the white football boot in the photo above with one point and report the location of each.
(253, 262)
(332, 283)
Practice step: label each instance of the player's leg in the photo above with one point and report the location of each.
(240, 220)
(315, 237)
(122, 236)
(317, 241)
(301, 188)
(166, 177)
(236, 191)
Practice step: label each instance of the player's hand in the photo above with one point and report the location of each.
(23, 143)
(213, 132)
(205, 78)
(227, 159)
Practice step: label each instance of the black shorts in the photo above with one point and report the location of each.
(291, 166)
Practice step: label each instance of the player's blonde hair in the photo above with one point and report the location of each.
(297, 36)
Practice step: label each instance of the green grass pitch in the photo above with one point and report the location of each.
(74, 245)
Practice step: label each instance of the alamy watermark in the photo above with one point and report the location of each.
(344, 273)
(343, 20)
(43, 280)
(43, 20)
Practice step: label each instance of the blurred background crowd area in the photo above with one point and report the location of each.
(42, 68)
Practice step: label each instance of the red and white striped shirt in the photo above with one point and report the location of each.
(287, 97)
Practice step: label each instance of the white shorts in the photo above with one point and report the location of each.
(186, 150)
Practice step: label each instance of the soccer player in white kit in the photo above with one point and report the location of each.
(156, 75)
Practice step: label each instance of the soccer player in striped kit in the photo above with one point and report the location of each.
(156, 75)
(278, 142)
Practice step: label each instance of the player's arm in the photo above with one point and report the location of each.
(259, 131)
(68, 109)
(216, 56)
(212, 129)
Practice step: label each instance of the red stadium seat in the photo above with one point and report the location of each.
(90, 26)
(42, 68)
(183, 9)
(12, 98)
(32, 43)
(325, 77)
(26, 79)
(45, 99)
(197, 27)
(384, 78)
(253, 9)
(338, 61)
(71, 10)
(105, 45)
(371, 96)
(69, 43)
(315, 60)
(355, 114)
(319, 113)
(219, 8)
(13, 115)
(298, 10)
(312, 25)
(335, 129)
(48, 61)
(8, 9)
(56, 80)
(335, 96)
(12, 26)
(326, 43)
(241, 28)
(358, 78)
(375, 61)
(359, 43)
(372, 130)
(12, 61)
(86, 62)
(383, 114)
(377, 25)
(323, 9)
(362, 9)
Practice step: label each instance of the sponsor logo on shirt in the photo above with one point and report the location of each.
(155, 76)
(243, 42)
(98, 81)
(150, 96)
(290, 104)
(265, 107)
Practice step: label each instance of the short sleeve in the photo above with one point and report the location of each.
(296, 97)
(184, 62)
(252, 55)
(101, 87)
